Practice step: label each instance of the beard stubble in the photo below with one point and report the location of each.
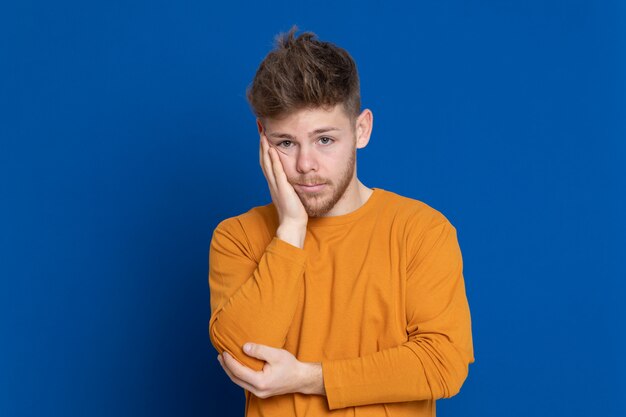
(318, 204)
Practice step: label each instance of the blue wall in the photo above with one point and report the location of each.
(125, 138)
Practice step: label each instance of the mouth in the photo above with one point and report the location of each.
(311, 188)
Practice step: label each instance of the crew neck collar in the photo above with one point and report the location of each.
(348, 217)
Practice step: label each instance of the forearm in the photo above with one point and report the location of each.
(396, 374)
(261, 309)
(430, 368)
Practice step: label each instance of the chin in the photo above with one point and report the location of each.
(318, 205)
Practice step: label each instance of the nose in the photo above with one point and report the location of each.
(306, 160)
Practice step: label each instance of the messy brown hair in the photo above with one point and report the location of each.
(304, 72)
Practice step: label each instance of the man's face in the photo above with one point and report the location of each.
(317, 149)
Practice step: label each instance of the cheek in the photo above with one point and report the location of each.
(288, 163)
(335, 161)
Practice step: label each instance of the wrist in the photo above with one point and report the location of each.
(292, 233)
(312, 378)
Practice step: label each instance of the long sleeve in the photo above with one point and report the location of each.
(433, 362)
(251, 301)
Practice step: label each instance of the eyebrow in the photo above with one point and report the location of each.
(313, 133)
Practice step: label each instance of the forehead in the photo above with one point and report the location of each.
(309, 119)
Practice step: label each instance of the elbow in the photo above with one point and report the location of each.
(223, 340)
(446, 368)
(215, 340)
(455, 377)
(454, 386)
(220, 339)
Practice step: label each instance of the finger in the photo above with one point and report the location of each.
(267, 163)
(279, 173)
(240, 371)
(263, 352)
(241, 383)
(263, 147)
(262, 150)
(277, 148)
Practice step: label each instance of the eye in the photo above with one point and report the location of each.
(284, 144)
(325, 140)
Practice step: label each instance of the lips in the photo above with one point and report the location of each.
(311, 187)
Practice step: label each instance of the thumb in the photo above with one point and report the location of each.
(263, 352)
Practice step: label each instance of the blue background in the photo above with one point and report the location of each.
(126, 138)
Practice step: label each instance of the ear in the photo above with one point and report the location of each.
(259, 125)
(364, 124)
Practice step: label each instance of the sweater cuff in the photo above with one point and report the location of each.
(333, 385)
(287, 250)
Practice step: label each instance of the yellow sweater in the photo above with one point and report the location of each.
(376, 295)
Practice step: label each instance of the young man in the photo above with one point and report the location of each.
(351, 299)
